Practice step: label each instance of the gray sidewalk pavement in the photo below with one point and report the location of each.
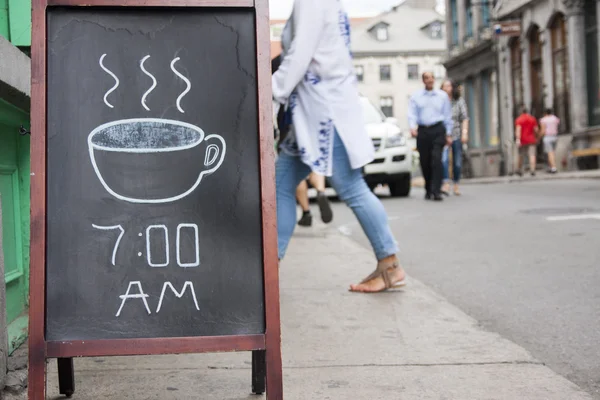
(409, 344)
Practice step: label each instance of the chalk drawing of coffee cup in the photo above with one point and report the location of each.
(153, 161)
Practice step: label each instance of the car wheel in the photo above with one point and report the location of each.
(401, 187)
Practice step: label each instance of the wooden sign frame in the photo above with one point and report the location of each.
(266, 348)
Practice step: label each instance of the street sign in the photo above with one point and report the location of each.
(507, 28)
(153, 226)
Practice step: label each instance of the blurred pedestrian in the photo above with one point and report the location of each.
(549, 126)
(460, 136)
(318, 182)
(329, 136)
(526, 131)
(430, 121)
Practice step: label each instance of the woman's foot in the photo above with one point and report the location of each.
(456, 190)
(324, 207)
(388, 274)
(306, 219)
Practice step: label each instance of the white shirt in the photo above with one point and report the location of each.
(316, 79)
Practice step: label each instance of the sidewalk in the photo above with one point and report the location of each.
(404, 345)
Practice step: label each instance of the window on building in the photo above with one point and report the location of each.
(382, 33)
(560, 71)
(385, 72)
(435, 30)
(494, 123)
(537, 73)
(469, 10)
(454, 20)
(516, 75)
(439, 72)
(485, 13)
(276, 30)
(593, 67)
(386, 104)
(470, 99)
(413, 72)
(485, 108)
(359, 70)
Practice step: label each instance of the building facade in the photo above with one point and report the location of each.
(392, 50)
(553, 63)
(15, 77)
(471, 61)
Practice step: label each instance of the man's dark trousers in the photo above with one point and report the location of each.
(430, 143)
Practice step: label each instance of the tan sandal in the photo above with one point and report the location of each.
(385, 271)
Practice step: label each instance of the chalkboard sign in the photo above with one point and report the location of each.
(153, 175)
(155, 163)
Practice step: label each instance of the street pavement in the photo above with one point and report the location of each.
(521, 258)
(408, 344)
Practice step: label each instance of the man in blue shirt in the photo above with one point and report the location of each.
(430, 121)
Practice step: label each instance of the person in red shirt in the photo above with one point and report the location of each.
(526, 131)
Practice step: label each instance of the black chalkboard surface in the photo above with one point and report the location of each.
(153, 184)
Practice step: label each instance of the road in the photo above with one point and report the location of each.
(500, 253)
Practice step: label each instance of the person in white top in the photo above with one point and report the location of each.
(316, 80)
(550, 124)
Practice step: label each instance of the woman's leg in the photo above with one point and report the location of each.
(352, 189)
(549, 146)
(302, 196)
(551, 160)
(289, 171)
(457, 160)
(318, 182)
(445, 157)
(445, 163)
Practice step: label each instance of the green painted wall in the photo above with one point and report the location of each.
(19, 16)
(15, 21)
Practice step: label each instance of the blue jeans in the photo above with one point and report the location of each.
(456, 161)
(350, 187)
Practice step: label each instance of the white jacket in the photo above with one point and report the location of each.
(317, 81)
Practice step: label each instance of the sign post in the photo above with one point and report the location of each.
(153, 225)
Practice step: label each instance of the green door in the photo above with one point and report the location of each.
(16, 285)
(14, 195)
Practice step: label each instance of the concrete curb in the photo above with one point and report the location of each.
(540, 177)
(595, 174)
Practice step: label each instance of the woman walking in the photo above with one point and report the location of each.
(460, 136)
(549, 124)
(316, 79)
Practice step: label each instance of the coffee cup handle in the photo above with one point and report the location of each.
(215, 152)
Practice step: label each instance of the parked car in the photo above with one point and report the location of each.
(393, 161)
